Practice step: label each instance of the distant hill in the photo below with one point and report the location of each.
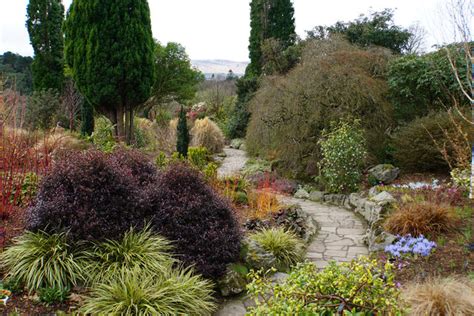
(219, 67)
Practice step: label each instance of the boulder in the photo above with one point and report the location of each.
(335, 199)
(236, 143)
(258, 258)
(302, 194)
(233, 282)
(232, 308)
(384, 173)
(316, 196)
(384, 198)
(377, 240)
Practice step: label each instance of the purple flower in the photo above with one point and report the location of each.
(411, 245)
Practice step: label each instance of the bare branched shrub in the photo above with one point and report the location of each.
(334, 81)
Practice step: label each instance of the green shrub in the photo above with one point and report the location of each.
(41, 260)
(210, 170)
(284, 245)
(199, 157)
(344, 154)
(415, 149)
(52, 295)
(161, 160)
(103, 135)
(361, 286)
(135, 250)
(136, 292)
(241, 198)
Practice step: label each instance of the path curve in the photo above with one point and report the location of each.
(340, 238)
(233, 163)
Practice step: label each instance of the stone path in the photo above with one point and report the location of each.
(341, 234)
(339, 239)
(233, 163)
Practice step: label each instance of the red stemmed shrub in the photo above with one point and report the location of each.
(201, 224)
(92, 195)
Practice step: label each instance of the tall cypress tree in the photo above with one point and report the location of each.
(109, 47)
(182, 134)
(44, 23)
(269, 19)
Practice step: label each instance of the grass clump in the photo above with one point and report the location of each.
(53, 295)
(206, 133)
(284, 245)
(440, 297)
(141, 250)
(42, 260)
(421, 218)
(136, 292)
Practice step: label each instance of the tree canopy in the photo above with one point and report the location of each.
(44, 23)
(269, 19)
(176, 79)
(109, 47)
(375, 29)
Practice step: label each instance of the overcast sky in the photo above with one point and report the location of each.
(219, 29)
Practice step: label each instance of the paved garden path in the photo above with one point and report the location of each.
(339, 239)
(233, 163)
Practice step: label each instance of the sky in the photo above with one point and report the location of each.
(219, 29)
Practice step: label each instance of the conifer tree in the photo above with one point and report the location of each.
(269, 19)
(44, 23)
(182, 134)
(109, 47)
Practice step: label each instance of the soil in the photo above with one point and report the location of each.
(22, 304)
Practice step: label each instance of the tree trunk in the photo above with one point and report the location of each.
(120, 124)
(129, 126)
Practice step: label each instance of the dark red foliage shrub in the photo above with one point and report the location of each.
(142, 170)
(92, 195)
(200, 223)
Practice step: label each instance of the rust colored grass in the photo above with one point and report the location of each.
(421, 218)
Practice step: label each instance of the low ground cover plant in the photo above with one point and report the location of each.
(287, 248)
(421, 218)
(408, 245)
(362, 286)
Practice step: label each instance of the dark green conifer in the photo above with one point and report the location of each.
(182, 134)
(109, 47)
(44, 23)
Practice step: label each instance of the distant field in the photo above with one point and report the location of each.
(220, 67)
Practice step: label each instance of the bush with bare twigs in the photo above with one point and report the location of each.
(447, 297)
(334, 81)
(421, 218)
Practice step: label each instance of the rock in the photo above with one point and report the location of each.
(373, 191)
(356, 201)
(316, 196)
(383, 198)
(335, 199)
(377, 240)
(243, 147)
(236, 143)
(302, 194)
(384, 173)
(279, 278)
(258, 258)
(232, 308)
(233, 282)
(221, 155)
